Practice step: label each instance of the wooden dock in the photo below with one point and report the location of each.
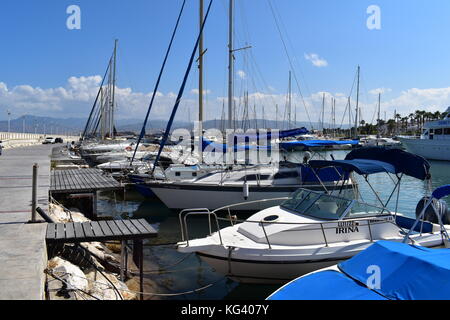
(82, 181)
(99, 231)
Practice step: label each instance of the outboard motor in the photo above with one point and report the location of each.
(430, 214)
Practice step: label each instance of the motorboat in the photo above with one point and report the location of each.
(385, 271)
(434, 143)
(246, 184)
(311, 230)
(371, 141)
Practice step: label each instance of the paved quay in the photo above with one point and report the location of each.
(23, 253)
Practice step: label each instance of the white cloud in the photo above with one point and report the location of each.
(241, 74)
(75, 99)
(316, 60)
(380, 90)
(196, 91)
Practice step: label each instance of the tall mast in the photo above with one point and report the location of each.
(323, 114)
(230, 66)
(200, 85)
(379, 113)
(357, 105)
(113, 91)
(290, 102)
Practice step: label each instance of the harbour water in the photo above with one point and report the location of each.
(169, 273)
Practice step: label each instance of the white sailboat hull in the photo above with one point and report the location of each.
(182, 196)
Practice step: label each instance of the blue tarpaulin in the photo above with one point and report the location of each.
(222, 147)
(406, 272)
(281, 134)
(326, 285)
(316, 143)
(395, 271)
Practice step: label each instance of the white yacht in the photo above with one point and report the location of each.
(248, 184)
(434, 143)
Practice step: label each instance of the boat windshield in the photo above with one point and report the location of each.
(327, 207)
(317, 205)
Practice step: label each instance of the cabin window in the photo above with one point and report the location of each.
(447, 131)
(194, 174)
(438, 131)
(255, 177)
(328, 208)
(177, 174)
(286, 175)
(361, 210)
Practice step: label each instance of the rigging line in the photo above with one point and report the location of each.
(181, 92)
(348, 104)
(158, 81)
(96, 99)
(290, 62)
(292, 48)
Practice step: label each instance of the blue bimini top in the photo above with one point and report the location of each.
(393, 271)
(326, 285)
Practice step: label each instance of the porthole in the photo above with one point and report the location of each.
(272, 218)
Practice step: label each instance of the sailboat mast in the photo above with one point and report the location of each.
(290, 101)
(357, 105)
(323, 114)
(379, 114)
(230, 66)
(200, 85)
(113, 91)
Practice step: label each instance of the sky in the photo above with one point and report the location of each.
(48, 69)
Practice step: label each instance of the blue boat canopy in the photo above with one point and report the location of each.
(325, 285)
(282, 134)
(406, 272)
(373, 160)
(222, 147)
(317, 143)
(392, 270)
(441, 192)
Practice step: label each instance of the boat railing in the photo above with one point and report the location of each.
(321, 227)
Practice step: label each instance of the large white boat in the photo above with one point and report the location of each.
(248, 184)
(434, 143)
(311, 230)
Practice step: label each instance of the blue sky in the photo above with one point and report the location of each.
(409, 57)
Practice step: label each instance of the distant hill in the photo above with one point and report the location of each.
(49, 125)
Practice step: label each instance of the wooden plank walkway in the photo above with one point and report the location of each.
(82, 181)
(98, 231)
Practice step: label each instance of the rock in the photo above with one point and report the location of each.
(74, 278)
(101, 288)
(60, 215)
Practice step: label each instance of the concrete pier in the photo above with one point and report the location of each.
(23, 254)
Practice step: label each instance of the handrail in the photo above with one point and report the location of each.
(248, 202)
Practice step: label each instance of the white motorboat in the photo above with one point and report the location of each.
(310, 230)
(434, 143)
(412, 270)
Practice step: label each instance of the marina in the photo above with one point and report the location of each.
(187, 158)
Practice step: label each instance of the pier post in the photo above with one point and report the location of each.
(34, 193)
(123, 260)
(138, 258)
